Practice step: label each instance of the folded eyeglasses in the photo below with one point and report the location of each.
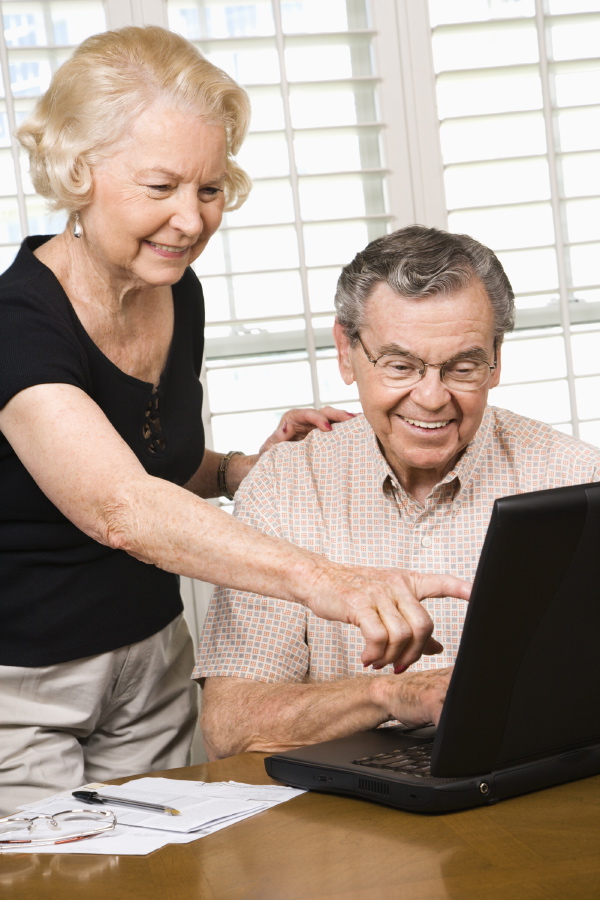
(73, 825)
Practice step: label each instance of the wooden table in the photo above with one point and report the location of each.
(544, 846)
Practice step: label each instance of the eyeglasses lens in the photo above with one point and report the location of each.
(62, 826)
(459, 375)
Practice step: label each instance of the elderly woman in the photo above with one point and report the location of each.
(102, 460)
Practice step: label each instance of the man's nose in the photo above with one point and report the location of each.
(431, 392)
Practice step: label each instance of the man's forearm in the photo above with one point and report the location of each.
(239, 715)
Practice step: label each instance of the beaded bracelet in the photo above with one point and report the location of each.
(222, 473)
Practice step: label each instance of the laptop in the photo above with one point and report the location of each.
(522, 710)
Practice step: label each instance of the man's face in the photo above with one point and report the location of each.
(423, 429)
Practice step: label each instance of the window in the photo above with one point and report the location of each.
(518, 90)
(479, 115)
(37, 38)
(315, 157)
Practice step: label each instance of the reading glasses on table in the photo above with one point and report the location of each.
(60, 828)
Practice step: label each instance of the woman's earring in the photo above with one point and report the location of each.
(77, 229)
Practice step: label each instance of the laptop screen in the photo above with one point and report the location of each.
(526, 681)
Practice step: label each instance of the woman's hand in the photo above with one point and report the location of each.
(386, 605)
(297, 423)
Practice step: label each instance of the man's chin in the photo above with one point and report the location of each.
(437, 460)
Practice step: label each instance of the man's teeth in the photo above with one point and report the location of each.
(425, 424)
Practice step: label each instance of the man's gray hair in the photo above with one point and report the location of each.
(421, 262)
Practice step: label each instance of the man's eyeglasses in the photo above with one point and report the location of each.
(400, 370)
(61, 828)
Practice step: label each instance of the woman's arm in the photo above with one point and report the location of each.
(205, 482)
(86, 469)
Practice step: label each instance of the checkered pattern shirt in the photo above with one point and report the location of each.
(334, 493)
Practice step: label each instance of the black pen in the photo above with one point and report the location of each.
(95, 797)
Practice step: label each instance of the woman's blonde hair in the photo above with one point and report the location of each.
(110, 79)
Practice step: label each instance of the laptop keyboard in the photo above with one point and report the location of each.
(412, 760)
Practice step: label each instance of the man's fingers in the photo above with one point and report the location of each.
(417, 698)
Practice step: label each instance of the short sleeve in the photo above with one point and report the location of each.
(246, 635)
(37, 346)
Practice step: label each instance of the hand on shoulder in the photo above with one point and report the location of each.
(295, 424)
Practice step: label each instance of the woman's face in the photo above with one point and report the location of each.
(157, 200)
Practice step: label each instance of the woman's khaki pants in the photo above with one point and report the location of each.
(121, 713)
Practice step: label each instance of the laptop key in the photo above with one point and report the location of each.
(412, 760)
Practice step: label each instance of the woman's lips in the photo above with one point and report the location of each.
(168, 250)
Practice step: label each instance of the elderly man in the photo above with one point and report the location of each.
(421, 318)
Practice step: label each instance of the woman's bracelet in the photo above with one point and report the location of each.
(222, 473)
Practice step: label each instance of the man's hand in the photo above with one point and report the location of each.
(414, 698)
(385, 605)
(241, 715)
(297, 423)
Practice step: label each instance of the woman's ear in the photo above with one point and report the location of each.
(344, 354)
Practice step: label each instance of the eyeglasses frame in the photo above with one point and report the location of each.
(439, 366)
(103, 827)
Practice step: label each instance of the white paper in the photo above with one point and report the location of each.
(205, 807)
(226, 790)
(196, 811)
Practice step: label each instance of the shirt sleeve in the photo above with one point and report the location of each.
(36, 347)
(246, 635)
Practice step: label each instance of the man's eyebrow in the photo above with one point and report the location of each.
(473, 353)
(394, 350)
(478, 353)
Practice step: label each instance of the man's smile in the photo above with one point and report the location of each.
(420, 424)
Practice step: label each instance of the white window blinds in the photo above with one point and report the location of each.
(37, 38)
(314, 154)
(346, 142)
(518, 88)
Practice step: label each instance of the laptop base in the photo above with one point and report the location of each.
(428, 794)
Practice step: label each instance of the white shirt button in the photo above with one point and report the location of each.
(426, 542)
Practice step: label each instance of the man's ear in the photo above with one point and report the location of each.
(344, 355)
(494, 380)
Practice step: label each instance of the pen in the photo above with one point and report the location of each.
(95, 797)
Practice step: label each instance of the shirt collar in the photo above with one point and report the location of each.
(463, 472)
(469, 462)
(382, 470)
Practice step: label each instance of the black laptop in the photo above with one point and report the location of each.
(523, 707)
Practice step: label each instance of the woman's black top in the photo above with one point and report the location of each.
(62, 594)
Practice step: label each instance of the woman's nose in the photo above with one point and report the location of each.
(187, 216)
